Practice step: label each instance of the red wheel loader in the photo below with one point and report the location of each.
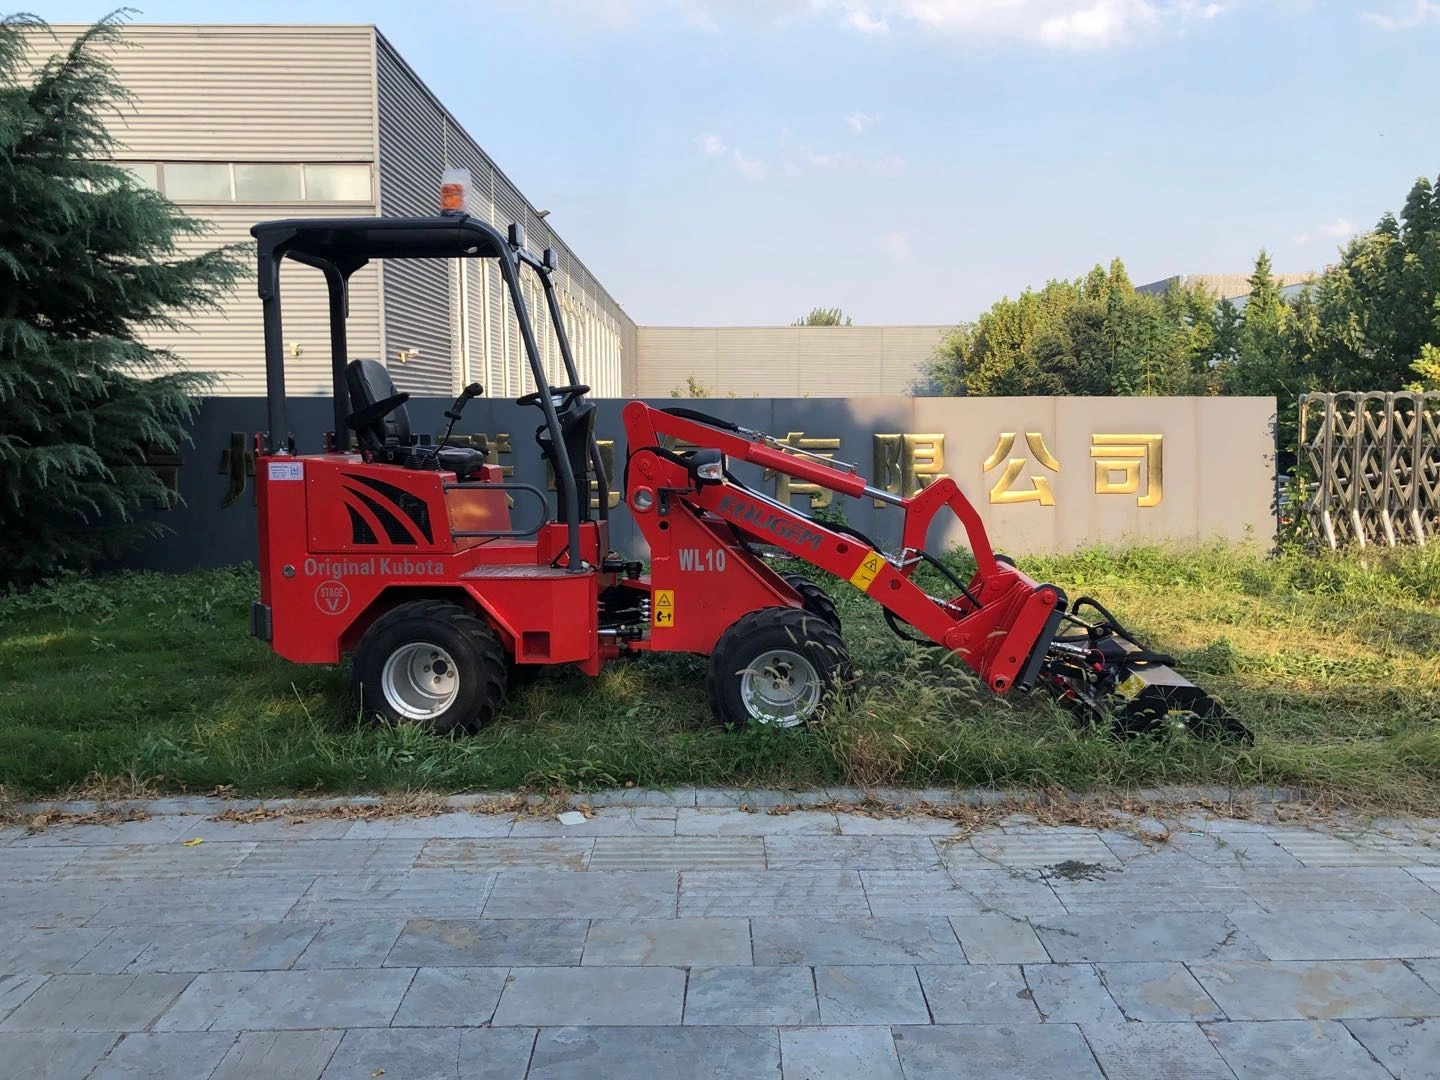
(439, 578)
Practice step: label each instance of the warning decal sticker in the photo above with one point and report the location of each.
(664, 611)
(866, 571)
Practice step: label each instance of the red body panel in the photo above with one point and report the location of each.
(341, 540)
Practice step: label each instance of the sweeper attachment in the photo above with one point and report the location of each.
(404, 553)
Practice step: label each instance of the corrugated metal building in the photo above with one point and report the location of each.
(238, 124)
(785, 361)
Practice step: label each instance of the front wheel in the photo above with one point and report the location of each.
(430, 663)
(815, 599)
(777, 667)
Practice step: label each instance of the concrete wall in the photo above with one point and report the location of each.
(784, 361)
(1046, 474)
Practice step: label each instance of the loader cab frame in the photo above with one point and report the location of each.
(338, 247)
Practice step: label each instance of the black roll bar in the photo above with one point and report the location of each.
(340, 246)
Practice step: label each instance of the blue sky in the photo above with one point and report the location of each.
(741, 161)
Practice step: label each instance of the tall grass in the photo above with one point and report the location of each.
(1334, 661)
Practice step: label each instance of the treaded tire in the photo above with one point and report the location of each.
(480, 665)
(739, 661)
(816, 600)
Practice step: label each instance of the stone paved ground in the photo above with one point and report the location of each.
(681, 942)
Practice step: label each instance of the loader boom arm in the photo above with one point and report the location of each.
(1001, 622)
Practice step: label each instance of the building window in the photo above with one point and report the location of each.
(267, 183)
(195, 182)
(337, 183)
(146, 174)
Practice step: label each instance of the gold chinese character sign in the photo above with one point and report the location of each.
(1120, 461)
(1039, 490)
(906, 464)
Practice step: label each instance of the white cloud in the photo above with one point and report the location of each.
(712, 144)
(862, 20)
(1421, 12)
(1339, 229)
(755, 170)
(1056, 24)
(897, 246)
(791, 169)
(859, 121)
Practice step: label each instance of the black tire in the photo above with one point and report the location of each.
(779, 648)
(816, 600)
(407, 640)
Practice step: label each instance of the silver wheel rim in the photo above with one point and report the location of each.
(419, 681)
(780, 688)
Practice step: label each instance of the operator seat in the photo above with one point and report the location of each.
(382, 425)
(577, 426)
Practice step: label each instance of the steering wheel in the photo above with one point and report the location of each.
(568, 396)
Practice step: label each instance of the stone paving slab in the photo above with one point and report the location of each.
(801, 852)
(1409, 1049)
(581, 996)
(665, 938)
(54, 1055)
(534, 894)
(1295, 1048)
(96, 1003)
(998, 939)
(351, 943)
(275, 1000)
(471, 855)
(675, 1053)
(839, 1053)
(489, 943)
(1341, 935)
(279, 1055)
(978, 994)
(1158, 991)
(1135, 936)
(678, 853)
(1292, 990)
(255, 946)
(668, 943)
(823, 893)
(783, 996)
(1071, 994)
(997, 1052)
(870, 995)
(170, 1055)
(1148, 1051)
(855, 941)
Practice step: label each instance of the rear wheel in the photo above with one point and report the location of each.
(816, 600)
(430, 663)
(777, 667)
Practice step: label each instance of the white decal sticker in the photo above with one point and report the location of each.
(287, 470)
(332, 597)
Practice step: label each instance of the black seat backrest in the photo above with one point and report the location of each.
(369, 383)
(577, 427)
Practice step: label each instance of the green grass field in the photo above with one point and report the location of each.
(1334, 661)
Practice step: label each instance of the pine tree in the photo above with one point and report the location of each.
(88, 260)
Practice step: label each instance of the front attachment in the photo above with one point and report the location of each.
(1101, 671)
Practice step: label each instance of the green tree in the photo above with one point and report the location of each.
(88, 259)
(1265, 363)
(823, 316)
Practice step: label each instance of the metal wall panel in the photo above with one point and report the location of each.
(230, 341)
(234, 93)
(419, 294)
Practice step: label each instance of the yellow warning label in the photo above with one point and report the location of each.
(663, 613)
(1131, 687)
(865, 573)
